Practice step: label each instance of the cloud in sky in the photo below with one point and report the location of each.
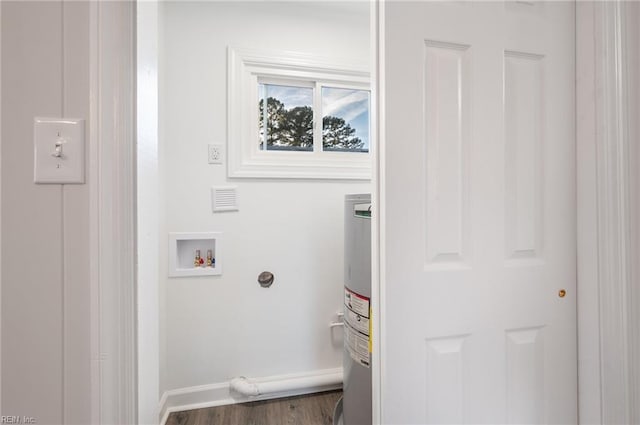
(345, 103)
(291, 97)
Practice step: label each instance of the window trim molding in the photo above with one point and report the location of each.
(245, 67)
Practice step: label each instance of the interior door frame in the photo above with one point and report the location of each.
(112, 212)
(378, 235)
(607, 218)
(603, 280)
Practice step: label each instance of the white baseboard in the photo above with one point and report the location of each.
(218, 394)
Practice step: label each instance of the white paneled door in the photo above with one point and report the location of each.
(479, 318)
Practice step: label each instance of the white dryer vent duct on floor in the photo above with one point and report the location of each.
(224, 198)
(254, 388)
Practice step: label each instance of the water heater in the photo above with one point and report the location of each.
(356, 402)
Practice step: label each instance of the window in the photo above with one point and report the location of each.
(345, 120)
(290, 124)
(288, 118)
(316, 123)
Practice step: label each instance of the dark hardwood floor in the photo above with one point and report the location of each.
(312, 409)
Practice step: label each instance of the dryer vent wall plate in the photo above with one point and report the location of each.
(224, 198)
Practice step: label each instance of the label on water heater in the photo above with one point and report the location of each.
(359, 323)
(358, 345)
(357, 328)
(359, 304)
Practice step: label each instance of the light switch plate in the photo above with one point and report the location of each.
(58, 147)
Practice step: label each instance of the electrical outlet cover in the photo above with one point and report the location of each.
(215, 154)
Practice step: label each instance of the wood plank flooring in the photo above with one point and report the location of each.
(312, 409)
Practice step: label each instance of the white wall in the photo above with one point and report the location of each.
(45, 230)
(213, 329)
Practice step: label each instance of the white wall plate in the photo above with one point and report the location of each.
(58, 150)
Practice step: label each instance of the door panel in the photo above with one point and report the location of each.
(523, 125)
(480, 213)
(447, 144)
